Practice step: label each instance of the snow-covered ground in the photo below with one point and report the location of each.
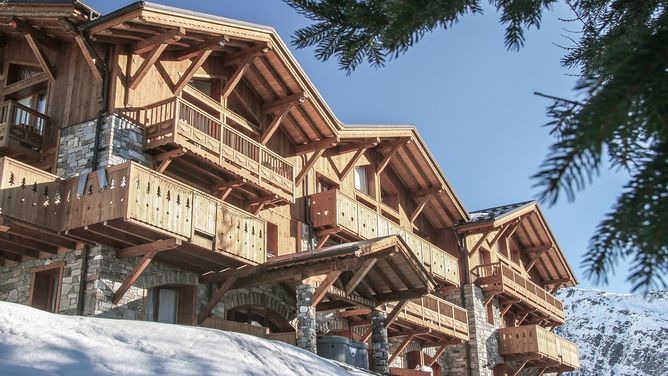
(38, 343)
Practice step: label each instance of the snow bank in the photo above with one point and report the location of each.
(34, 342)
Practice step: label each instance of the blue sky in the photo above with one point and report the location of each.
(471, 100)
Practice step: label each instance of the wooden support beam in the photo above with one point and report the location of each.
(541, 371)
(323, 240)
(480, 242)
(489, 298)
(556, 287)
(538, 248)
(41, 56)
(168, 37)
(524, 317)
(366, 335)
(170, 154)
(192, 69)
(347, 148)
(353, 313)
(323, 144)
(88, 58)
(245, 62)
(155, 246)
(395, 312)
(508, 306)
(38, 35)
(437, 354)
(519, 369)
(308, 165)
(326, 283)
(356, 157)
(222, 290)
(275, 122)
(427, 191)
(422, 202)
(132, 278)
(149, 60)
(535, 258)
(163, 165)
(555, 281)
(279, 104)
(503, 231)
(240, 57)
(360, 273)
(401, 348)
(386, 160)
(211, 44)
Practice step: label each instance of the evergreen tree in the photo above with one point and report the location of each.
(621, 114)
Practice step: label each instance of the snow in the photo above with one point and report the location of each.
(38, 343)
(617, 334)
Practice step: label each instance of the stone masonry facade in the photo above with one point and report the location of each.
(121, 141)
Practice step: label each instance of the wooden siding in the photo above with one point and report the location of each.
(502, 279)
(529, 342)
(333, 208)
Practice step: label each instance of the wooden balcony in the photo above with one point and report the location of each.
(254, 330)
(500, 279)
(442, 318)
(539, 347)
(129, 206)
(334, 210)
(175, 124)
(21, 131)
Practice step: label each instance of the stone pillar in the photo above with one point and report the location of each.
(380, 344)
(306, 323)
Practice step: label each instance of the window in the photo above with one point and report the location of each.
(171, 304)
(45, 289)
(361, 179)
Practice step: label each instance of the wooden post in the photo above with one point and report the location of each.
(132, 278)
(401, 347)
(222, 290)
(326, 283)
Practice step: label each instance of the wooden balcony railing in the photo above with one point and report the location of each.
(436, 314)
(254, 330)
(176, 121)
(544, 347)
(333, 208)
(499, 276)
(134, 194)
(22, 124)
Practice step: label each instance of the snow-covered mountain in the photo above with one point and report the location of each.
(617, 334)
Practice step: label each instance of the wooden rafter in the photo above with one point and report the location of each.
(325, 143)
(132, 278)
(427, 191)
(41, 56)
(222, 290)
(276, 121)
(155, 246)
(401, 347)
(324, 286)
(386, 160)
(279, 104)
(168, 37)
(192, 69)
(360, 273)
(439, 352)
(352, 162)
(244, 62)
(38, 35)
(308, 165)
(213, 43)
(347, 148)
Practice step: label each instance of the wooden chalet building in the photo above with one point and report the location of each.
(166, 165)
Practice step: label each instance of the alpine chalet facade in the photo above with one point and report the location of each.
(166, 165)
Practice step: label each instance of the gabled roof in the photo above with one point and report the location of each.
(531, 233)
(497, 212)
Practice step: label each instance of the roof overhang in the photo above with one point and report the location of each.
(384, 270)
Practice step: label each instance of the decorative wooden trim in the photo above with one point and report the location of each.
(535, 258)
(222, 290)
(41, 56)
(480, 242)
(361, 272)
(386, 160)
(275, 122)
(190, 72)
(324, 286)
(132, 278)
(155, 246)
(323, 144)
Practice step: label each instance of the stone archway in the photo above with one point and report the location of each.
(275, 309)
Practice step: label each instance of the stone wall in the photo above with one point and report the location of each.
(272, 296)
(16, 280)
(106, 273)
(484, 343)
(121, 141)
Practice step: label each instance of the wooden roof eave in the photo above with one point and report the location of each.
(560, 254)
